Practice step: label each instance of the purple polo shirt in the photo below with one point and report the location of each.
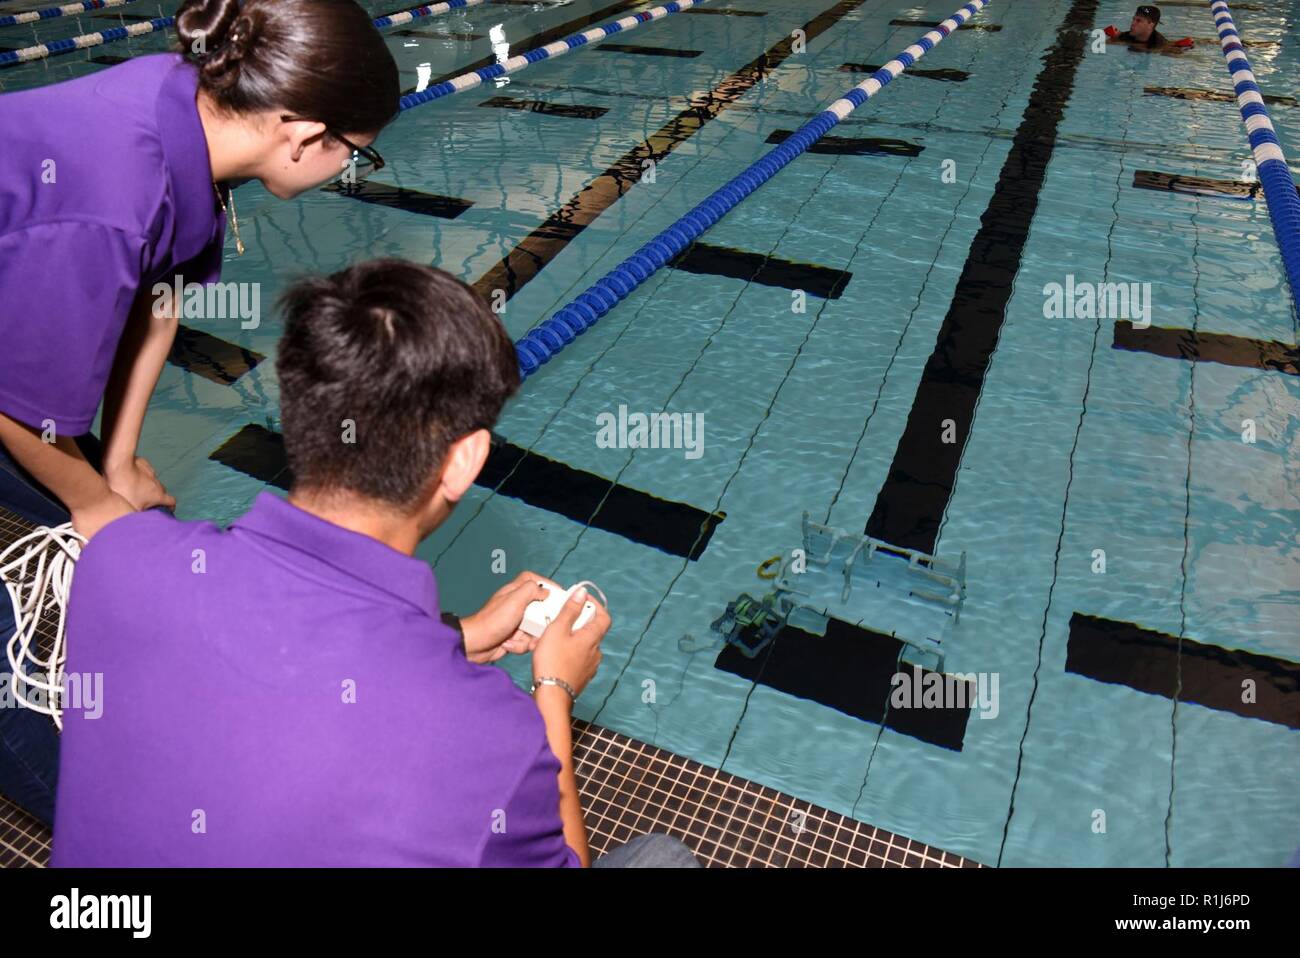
(105, 188)
(283, 693)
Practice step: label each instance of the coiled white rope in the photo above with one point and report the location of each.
(37, 575)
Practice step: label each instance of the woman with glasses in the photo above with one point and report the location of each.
(115, 181)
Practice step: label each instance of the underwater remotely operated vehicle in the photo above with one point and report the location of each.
(912, 596)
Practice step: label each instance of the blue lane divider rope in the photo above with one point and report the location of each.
(417, 13)
(474, 78)
(1270, 163)
(68, 45)
(67, 10)
(541, 343)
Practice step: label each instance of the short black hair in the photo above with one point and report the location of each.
(409, 354)
(1149, 13)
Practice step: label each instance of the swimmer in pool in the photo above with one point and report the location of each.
(1142, 33)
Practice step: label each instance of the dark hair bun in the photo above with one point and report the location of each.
(259, 55)
(203, 24)
(215, 36)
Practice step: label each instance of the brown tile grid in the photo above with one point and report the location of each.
(629, 788)
(24, 841)
(12, 528)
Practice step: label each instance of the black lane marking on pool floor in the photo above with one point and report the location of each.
(569, 110)
(823, 282)
(437, 35)
(1198, 185)
(944, 73)
(672, 527)
(647, 51)
(1214, 42)
(532, 254)
(1122, 653)
(726, 12)
(1201, 4)
(1195, 185)
(1218, 96)
(400, 198)
(906, 22)
(916, 492)
(139, 17)
(854, 145)
(676, 528)
(257, 452)
(109, 59)
(850, 669)
(1199, 347)
(205, 355)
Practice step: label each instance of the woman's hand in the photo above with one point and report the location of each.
(137, 483)
(493, 630)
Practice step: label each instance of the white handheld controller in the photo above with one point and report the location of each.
(542, 612)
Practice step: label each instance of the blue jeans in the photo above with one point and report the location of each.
(649, 851)
(29, 743)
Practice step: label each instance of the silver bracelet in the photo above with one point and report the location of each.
(573, 696)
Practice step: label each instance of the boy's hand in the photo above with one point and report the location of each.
(494, 630)
(565, 654)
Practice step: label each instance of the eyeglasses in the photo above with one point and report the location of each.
(364, 159)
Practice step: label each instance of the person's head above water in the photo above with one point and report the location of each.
(288, 88)
(1145, 19)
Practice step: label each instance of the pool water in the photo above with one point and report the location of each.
(1076, 446)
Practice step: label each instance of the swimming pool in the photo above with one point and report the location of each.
(1121, 738)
